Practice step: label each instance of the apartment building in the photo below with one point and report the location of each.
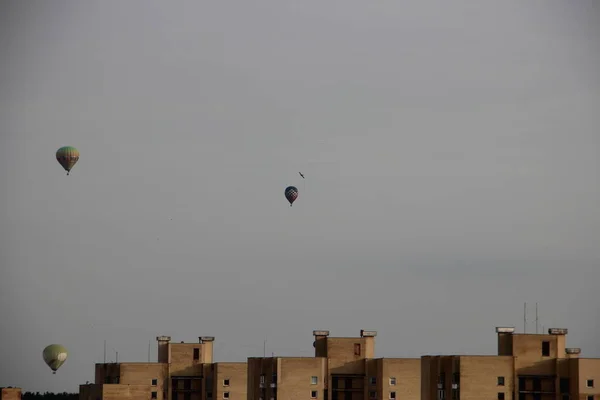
(184, 371)
(343, 368)
(10, 393)
(527, 367)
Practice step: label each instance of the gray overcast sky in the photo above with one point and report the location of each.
(450, 150)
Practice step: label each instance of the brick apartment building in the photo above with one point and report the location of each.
(10, 393)
(526, 367)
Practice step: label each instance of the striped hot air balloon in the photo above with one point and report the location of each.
(67, 156)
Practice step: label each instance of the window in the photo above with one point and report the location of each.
(357, 349)
(154, 395)
(313, 394)
(372, 395)
(196, 354)
(500, 381)
(456, 378)
(372, 381)
(392, 381)
(262, 378)
(545, 349)
(392, 395)
(154, 382)
(225, 395)
(590, 397)
(564, 385)
(442, 379)
(590, 383)
(314, 380)
(225, 382)
(209, 395)
(501, 396)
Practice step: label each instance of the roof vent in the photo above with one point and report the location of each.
(558, 331)
(364, 333)
(320, 333)
(573, 350)
(505, 329)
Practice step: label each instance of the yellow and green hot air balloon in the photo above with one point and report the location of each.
(55, 356)
(67, 156)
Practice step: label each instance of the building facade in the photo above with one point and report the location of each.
(343, 368)
(10, 393)
(184, 371)
(525, 367)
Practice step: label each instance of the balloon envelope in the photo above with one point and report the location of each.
(67, 156)
(291, 194)
(55, 356)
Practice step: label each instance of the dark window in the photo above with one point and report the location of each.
(357, 349)
(537, 385)
(501, 396)
(225, 395)
(372, 395)
(313, 394)
(225, 382)
(522, 384)
(154, 382)
(442, 379)
(392, 395)
(545, 349)
(154, 395)
(196, 354)
(590, 397)
(565, 385)
(500, 381)
(455, 394)
(522, 396)
(456, 377)
(590, 383)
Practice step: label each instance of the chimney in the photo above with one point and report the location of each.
(163, 348)
(320, 343)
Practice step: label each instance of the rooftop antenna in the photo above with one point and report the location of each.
(536, 318)
(265, 348)
(525, 318)
(149, 344)
(105, 352)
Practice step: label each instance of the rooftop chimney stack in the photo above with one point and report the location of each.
(163, 348)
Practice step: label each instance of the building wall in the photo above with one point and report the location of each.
(144, 374)
(347, 355)
(405, 371)
(479, 377)
(182, 360)
(107, 373)
(90, 391)
(126, 392)
(257, 367)
(295, 377)
(237, 376)
(10, 393)
(528, 349)
(587, 369)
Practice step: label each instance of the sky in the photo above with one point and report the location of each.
(450, 149)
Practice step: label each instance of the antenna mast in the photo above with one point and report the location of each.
(525, 318)
(536, 318)
(105, 352)
(149, 344)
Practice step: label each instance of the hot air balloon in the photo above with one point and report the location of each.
(55, 356)
(291, 194)
(67, 156)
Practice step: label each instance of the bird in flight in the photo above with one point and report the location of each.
(301, 175)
